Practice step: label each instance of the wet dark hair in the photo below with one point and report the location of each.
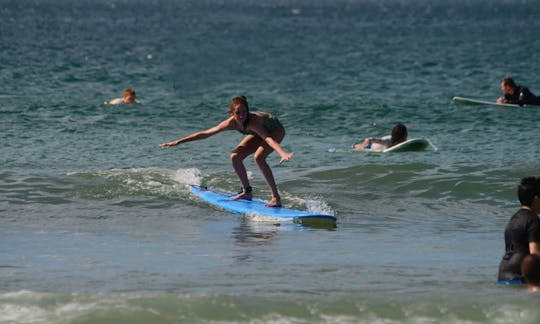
(240, 100)
(527, 189)
(530, 269)
(399, 133)
(509, 82)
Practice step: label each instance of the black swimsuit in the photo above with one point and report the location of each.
(270, 123)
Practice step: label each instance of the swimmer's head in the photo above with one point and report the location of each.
(508, 86)
(129, 96)
(528, 190)
(399, 133)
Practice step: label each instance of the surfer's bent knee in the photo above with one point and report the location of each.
(234, 155)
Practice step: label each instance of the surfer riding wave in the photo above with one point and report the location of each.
(264, 134)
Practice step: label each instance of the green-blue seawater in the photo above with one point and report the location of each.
(97, 224)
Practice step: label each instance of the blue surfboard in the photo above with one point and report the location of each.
(223, 200)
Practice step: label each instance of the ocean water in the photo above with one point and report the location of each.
(97, 224)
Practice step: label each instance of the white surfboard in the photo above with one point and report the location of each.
(470, 101)
(413, 144)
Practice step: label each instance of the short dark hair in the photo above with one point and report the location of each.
(530, 269)
(509, 82)
(527, 189)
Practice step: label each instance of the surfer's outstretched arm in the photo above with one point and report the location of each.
(224, 125)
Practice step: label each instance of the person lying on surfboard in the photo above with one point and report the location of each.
(128, 98)
(264, 134)
(399, 135)
(513, 94)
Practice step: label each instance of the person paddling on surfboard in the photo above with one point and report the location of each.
(128, 98)
(399, 135)
(264, 134)
(513, 94)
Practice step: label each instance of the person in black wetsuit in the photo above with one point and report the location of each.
(522, 233)
(517, 95)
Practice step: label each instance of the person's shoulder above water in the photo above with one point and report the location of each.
(128, 98)
(522, 233)
(514, 94)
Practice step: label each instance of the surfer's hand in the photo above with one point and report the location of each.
(169, 144)
(286, 157)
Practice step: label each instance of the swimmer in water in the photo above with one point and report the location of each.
(522, 233)
(129, 98)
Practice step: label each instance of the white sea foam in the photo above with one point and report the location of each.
(146, 181)
(35, 307)
(312, 204)
(319, 206)
(191, 176)
(256, 217)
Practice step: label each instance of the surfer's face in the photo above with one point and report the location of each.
(506, 89)
(240, 113)
(129, 98)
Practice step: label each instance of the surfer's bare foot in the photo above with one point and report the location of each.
(274, 202)
(243, 195)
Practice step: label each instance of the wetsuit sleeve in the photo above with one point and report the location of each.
(511, 99)
(526, 97)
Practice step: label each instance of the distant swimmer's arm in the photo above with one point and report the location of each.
(224, 125)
